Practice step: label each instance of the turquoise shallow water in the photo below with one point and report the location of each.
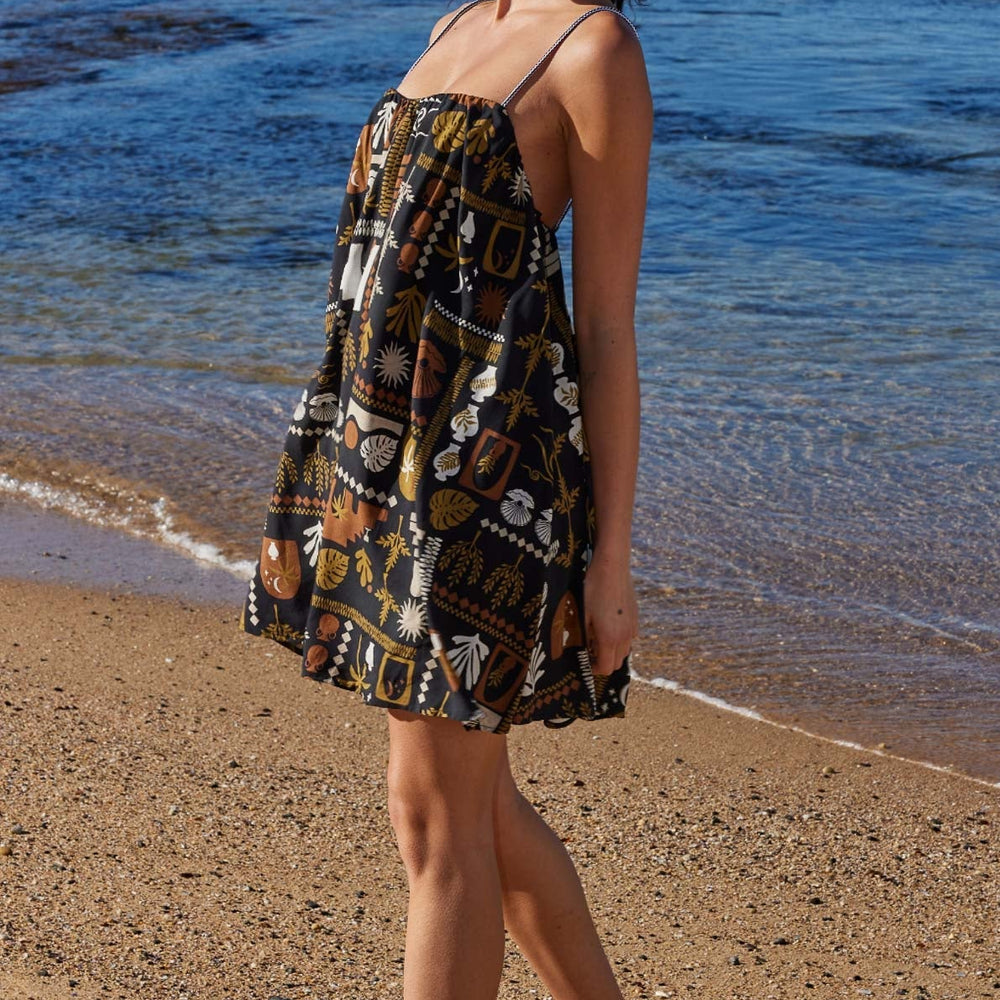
(818, 318)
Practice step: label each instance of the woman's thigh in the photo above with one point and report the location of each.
(440, 773)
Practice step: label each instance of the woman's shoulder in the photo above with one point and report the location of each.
(609, 40)
(601, 64)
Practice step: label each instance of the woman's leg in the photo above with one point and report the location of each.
(543, 902)
(442, 781)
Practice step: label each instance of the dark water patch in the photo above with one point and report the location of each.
(881, 150)
(309, 76)
(678, 125)
(957, 158)
(283, 251)
(58, 44)
(891, 151)
(977, 103)
(710, 12)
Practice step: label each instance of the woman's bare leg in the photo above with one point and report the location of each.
(442, 780)
(544, 906)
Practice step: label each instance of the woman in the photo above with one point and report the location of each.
(449, 532)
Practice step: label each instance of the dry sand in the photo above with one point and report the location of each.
(188, 817)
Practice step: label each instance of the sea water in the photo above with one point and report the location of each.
(817, 529)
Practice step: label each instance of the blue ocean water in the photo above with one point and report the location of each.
(818, 318)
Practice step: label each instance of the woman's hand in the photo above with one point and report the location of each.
(611, 611)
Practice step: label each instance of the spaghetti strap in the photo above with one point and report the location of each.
(548, 52)
(457, 15)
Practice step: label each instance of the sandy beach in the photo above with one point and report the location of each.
(184, 816)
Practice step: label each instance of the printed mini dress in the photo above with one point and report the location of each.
(432, 515)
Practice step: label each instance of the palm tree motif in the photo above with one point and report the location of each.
(380, 132)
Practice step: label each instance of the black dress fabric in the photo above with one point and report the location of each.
(432, 519)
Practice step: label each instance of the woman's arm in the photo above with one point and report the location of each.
(609, 121)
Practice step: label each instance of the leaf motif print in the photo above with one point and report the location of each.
(566, 501)
(405, 193)
(377, 451)
(364, 341)
(380, 131)
(556, 355)
(396, 545)
(465, 423)
(484, 384)
(350, 352)
(312, 547)
(452, 253)
(467, 656)
(357, 677)
(478, 138)
(432, 473)
(363, 564)
(535, 344)
(450, 508)
(486, 463)
(387, 601)
(407, 315)
(332, 568)
(448, 130)
(464, 560)
(567, 394)
(497, 166)
(577, 435)
(533, 605)
(534, 670)
(447, 462)
(345, 237)
(287, 473)
(521, 404)
(338, 505)
(280, 632)
(317, 471)
(506, 582)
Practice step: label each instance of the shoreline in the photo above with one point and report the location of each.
(63, 548)
(50, 546)
(196, 816)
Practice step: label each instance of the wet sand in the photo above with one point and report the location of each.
(193, 819)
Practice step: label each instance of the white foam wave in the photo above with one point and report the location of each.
(162, 528)
(666, 684)
(202, 551)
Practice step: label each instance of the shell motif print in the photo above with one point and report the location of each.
(431, 520)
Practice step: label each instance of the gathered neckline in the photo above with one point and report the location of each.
(500, 106)
(454, 94)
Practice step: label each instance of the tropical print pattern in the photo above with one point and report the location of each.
(431, 519)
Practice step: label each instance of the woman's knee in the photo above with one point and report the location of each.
(434, 829)
(435, 822)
